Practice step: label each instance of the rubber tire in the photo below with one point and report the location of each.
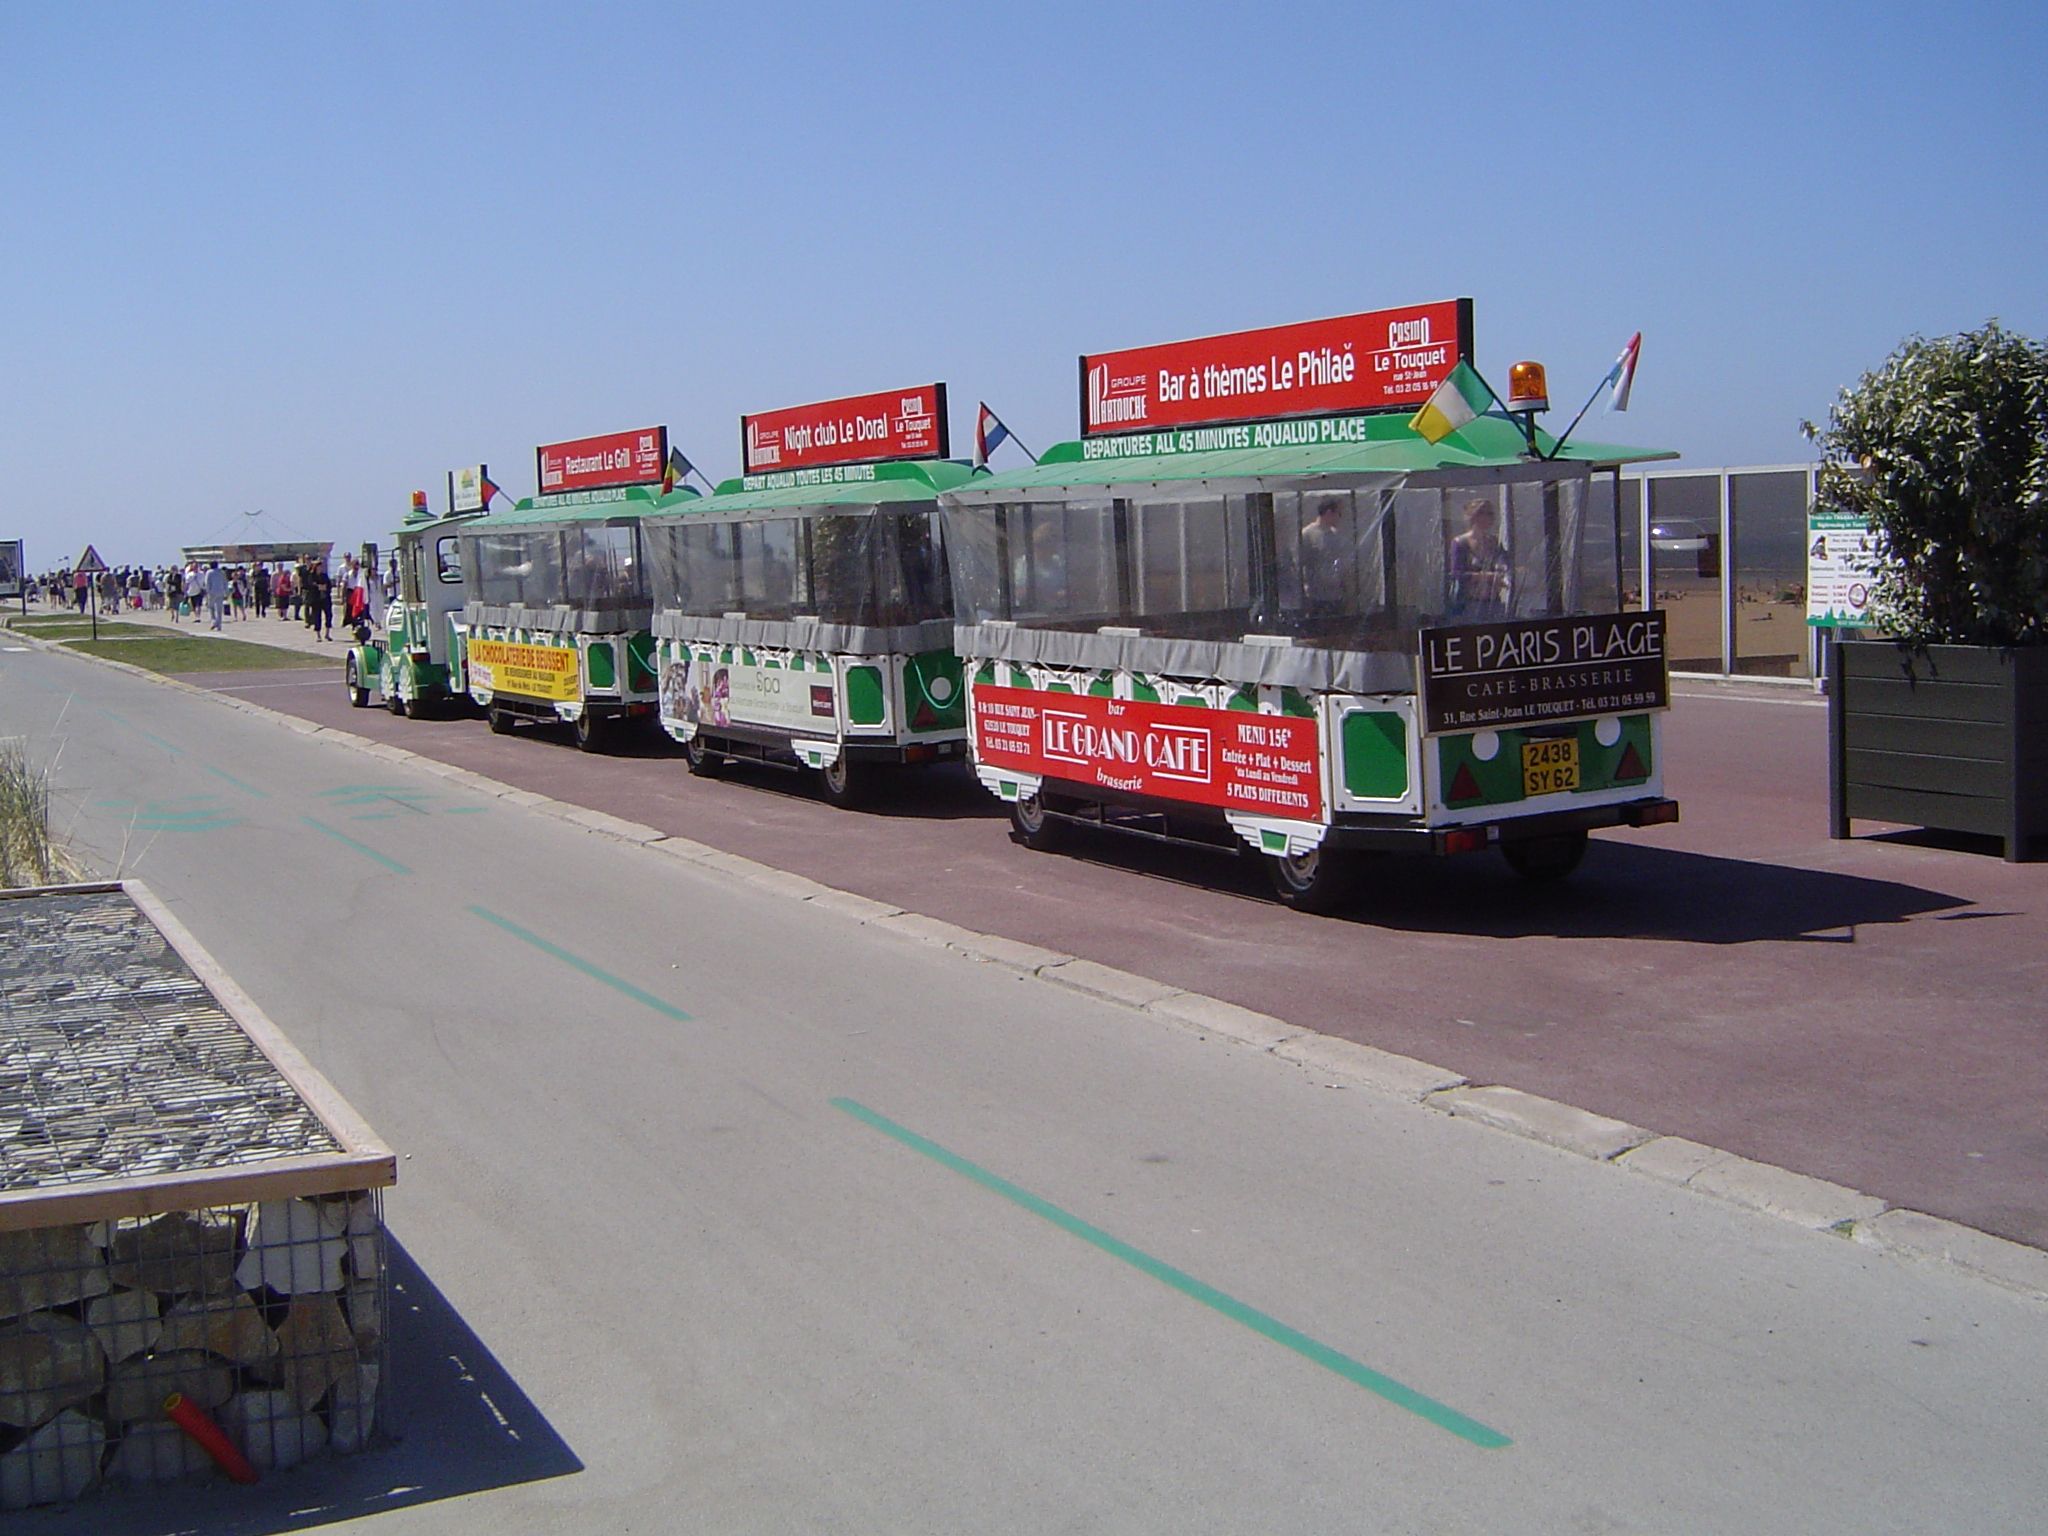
(1320, 880)
(502, 721)
(417, 707)
(1031, 826)
(392, 700)
(358, 695)
(844, 783)
(1544, 859)
(590, 731)
(701, 759)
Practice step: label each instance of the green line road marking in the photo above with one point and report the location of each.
(376, 816)
(369, 853)
(150, 824)
(1309, 1349)
(245, 788)
(465, 810)
(617, 984)
(151, 736)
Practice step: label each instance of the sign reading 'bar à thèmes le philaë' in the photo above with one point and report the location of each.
(599, 463)
(863, 429)
(1533, 671)
(1390, 359)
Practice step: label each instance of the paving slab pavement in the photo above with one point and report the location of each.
(1865, 1013)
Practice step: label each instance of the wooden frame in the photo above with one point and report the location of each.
(364, 1161)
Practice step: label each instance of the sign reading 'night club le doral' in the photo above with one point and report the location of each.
(1533, 671)
(1388, 359)
(861, 429)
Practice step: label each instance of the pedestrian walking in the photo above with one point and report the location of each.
(216, 590)
(261, 581)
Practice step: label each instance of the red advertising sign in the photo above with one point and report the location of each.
(1391, 359)
(1264, 764)
(596, 463)
(866, 429)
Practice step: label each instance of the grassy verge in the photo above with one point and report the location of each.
(193, 653)
(28, 854)
(73, 629)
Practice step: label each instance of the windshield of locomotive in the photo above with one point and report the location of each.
(1364, 569)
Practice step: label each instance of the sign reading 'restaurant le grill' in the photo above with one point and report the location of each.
(599, 463)
(1390, 359)
(1531, 671)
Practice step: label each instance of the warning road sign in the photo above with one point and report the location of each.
(90, 562)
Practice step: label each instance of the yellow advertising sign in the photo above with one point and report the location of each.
(531, 671)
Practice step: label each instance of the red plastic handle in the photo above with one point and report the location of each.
(192, 1419)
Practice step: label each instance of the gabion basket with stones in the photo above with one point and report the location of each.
(188, 1212)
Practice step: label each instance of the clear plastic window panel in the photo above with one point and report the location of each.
(601, 569)
(516, 568)
(911, 584)
(1769, 512)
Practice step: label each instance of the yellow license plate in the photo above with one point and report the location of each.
(1550, 767)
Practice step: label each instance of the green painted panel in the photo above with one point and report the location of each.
(603, 664)
(1142, 689)
(1103, 687)
(1498, 782)
(866, 703)
(933, 691)
(1292, 703)
(1376, 754)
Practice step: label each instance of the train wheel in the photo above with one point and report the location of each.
(590, 731)
(1316, 881)
(702, 759)
(1544, 858)
(358, 695)
(1032, 826)
(843, 783)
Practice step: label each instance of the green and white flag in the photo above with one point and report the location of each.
(1462, 397)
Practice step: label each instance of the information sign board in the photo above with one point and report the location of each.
(530, 671)
(1268, 764)
(862, 429)
(466, 487)
(594, 463)
(1841, 570)
(1389, 359)
(1536, 671)
(11, 568)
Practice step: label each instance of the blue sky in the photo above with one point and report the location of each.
(308, 258)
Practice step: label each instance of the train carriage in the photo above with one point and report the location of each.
(803, 614)
(1317, 636)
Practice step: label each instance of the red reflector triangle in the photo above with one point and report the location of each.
(1463, 785)
(1631, 765)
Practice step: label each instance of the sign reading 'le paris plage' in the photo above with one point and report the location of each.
(863, 429)
(598, 463)
(1531, 671)
(1389, 359)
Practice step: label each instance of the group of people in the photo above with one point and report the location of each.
(1478, 570)
(302, 591)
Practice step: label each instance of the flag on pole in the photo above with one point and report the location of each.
(675, 471)
(488, 490)
(1623, 374)
(1462, 397)
(989, 435)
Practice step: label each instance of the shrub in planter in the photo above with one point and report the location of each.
(1944, 451)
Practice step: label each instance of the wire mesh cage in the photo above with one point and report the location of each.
(192, 1254)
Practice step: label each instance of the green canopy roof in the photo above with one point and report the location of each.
(850, 486)
(1291, 451)
(632, 502)
(420, 527)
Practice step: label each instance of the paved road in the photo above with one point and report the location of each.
(721, 1213)
(1866, 1012)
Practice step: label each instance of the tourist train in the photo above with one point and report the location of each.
(1353, 611)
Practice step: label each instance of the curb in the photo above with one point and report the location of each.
(1762, 1188)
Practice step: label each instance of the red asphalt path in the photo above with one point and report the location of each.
(1872, 1012)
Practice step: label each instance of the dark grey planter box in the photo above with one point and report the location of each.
(1954, 737)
